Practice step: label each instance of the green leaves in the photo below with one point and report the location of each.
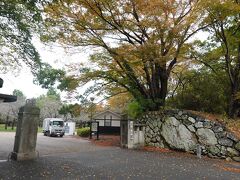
(72, 109)
(202, 90)
(18, 19)
(48, 76)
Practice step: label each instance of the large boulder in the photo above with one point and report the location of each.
(177, 136)
(206, 136)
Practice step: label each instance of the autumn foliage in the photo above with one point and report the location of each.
(138, 42)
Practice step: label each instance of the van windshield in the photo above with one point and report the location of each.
(57, 123)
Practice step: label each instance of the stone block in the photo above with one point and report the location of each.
(200, 119)
(237, 146)
(156, 130)
(211, 155)
(225, 142)
(191, 128)
(154, 140)
(147, 140)
(147, 129)
(223, 150)
(212, 123)
(150, 125)
(151, 132)
(232, 136)
(177, 117)
(236, 159)
(217, 129)
(159, 119)
(180, 113)
(184, 117)
(151, 144)
(198, 124)
(228, 159)
(206, 136)
(192, 120)
(207, 124)
(221, 134)
(213, 150)
(232, 152)
(155, 124)
(159, 124)
(158, 138)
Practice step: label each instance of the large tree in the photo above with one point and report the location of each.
(18, 19)
(225, 45)
(49, 104)
(138, 41)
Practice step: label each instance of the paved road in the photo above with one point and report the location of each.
(72, 158)
(45, 145)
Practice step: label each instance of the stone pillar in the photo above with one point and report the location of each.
(26, 134)
(130, 135)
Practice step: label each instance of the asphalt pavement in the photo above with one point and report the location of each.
(75, 158)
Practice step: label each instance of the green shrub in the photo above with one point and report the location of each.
(134, 109)
(83, 132)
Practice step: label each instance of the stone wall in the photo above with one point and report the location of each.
(182, 130)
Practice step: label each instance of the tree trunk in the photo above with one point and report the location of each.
(6, 123)
(164, 86)
(13, 122)
(157, 99)
(233, 108)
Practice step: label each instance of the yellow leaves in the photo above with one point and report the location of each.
(146, 33)
(120, 101)
(222, 9)
(237, 97)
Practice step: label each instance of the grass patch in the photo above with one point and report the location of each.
(9, 129)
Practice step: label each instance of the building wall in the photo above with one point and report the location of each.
(116, 123)
(108, 116)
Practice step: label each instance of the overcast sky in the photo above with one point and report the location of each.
(55, 56)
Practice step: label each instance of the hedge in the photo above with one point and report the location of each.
(83, 132)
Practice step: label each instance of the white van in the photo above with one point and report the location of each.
(53, 127)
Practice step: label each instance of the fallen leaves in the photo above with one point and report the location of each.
(107, 140)
(158, 149)
(230, 169)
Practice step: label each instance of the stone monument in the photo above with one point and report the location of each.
(26, 135)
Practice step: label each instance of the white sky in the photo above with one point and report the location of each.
(55, 56)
